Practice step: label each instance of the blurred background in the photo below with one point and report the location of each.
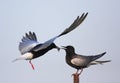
(99, 32)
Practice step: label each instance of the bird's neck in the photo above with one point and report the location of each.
(69, 53)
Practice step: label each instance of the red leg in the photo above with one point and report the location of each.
(81, 71)
(31, 65)
(76, 73)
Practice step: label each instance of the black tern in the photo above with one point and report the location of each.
(80, 62)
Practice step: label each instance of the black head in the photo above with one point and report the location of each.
(69, 49)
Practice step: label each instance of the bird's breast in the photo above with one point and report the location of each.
(78, 62)
(27, 56)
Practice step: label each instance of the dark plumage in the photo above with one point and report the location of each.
(30, 48)
(80, 61)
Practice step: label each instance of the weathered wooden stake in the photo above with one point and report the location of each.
(76, 78)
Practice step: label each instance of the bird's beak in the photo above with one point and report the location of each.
(63, 47)
(58, 48)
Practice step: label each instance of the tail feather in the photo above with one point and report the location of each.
(26, 56)
(20, 58)
(99, 62)
(15, 60)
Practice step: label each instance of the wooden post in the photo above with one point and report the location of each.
(76, 78)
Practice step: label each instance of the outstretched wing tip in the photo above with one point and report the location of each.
(75, 24)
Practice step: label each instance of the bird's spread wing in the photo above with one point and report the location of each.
(28, 42)
(75, 24)
(45, 44)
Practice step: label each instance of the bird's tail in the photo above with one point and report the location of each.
(97, 56)
(26, 56)
(99, 62)
(17, 59)
(20, 58)
(14, 60)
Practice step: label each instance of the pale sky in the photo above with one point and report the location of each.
(99, 32)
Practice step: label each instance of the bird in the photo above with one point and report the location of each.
(30, 48)
(79, 61)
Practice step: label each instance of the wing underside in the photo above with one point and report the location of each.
(28, 42)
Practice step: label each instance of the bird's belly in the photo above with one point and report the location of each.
(78, 62)
(39, 53)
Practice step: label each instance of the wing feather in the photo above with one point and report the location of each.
(75, 24)
(28, 42)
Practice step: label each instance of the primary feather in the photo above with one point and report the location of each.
(28, 43)
(74, 25)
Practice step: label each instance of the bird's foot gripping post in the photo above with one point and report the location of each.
(76, 76)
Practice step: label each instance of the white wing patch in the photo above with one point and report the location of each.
(27, 46)
(28, 42)
(77, 61)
